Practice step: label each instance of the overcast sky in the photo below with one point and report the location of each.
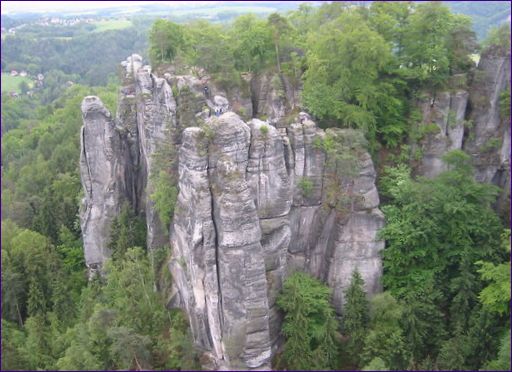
(9, 7)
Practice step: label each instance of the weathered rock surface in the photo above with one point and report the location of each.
(103, 166)
(474, 122)
(156, 123)
(273, 96)
(243, 222)
(260, 199)
(447, 111)
(117, 157)
(254, 204)
(488, 140)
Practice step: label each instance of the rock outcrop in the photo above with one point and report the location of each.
(256, 201)
(117, 157)
(488, 139)
(104, 161)
(252, 207)
(260, 199)
(441, 128)
(474, 122)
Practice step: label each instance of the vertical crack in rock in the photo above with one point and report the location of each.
(441, 129)
(245, 216)
(257, 202)
(488, 142)
(102, 167)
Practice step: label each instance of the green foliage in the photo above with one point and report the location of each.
(164, 190)
(165, 40)
(116, 332)
(309, 324)
(345, 90)
(343, 150)
(279, 27)
(355, 316)
(502, 362)
(495, 297)
(127, 230)
(376, 364)
(35, 276)
(385, 339)
(209, 46)
(40, 172)
(358, 90)
(425, 43)
(165, 196)
(505, 104)
(264, 130)
(71, 51)
(436, 229)
(306, 186)
(13, 356)
(491, 144)
(498, 36)
(253, 46)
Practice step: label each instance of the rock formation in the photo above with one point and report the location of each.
(103, 166)
(116, 162)
(244, 220)
(474, 122)
(488, 138)
(255, 202)
(443, 121)
(258, 199)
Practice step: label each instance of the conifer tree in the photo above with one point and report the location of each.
(356, 316)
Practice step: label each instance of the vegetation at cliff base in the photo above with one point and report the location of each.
(309, 326)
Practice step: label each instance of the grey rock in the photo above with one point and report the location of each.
(156, 123)
(488, 141)
(238, 181)
(251, 207)
(274, 96)
(446, 110)
(103, 162)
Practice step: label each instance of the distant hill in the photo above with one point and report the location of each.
(485, 14)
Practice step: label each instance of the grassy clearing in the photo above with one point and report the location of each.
(114, 24)
(12, 83)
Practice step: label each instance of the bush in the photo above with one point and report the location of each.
(264, 130)
(306, 186)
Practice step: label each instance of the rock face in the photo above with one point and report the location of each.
(260, 199)
(103, 166)
(116, 162)
(256, 202)
(475, 122)
(244, 221)
(443, 128)
(488, 140)
(273, 96)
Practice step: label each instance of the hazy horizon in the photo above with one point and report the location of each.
(20, 7)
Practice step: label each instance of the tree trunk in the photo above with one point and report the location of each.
(277, 57)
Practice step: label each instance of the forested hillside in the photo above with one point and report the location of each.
(445, 299)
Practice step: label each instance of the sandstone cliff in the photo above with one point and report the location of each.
(260, 199)
(255, 202)
(245, 219)
(473, 121)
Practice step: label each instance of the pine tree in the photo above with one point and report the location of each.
(309, 324)
(356, 316)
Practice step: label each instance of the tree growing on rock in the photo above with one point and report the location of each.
(279, 26)
(165, 40)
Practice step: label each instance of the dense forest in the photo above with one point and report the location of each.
(446, 298)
